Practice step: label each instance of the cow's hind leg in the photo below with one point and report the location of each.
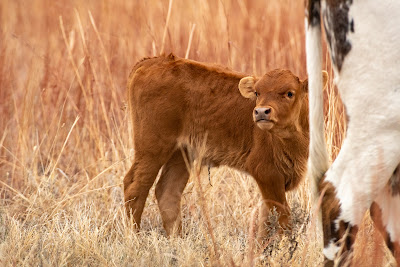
(351, 190)
(169, 189)
(140, 178)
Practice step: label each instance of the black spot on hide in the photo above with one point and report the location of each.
(337, 27)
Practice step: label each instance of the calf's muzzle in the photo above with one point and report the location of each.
(262, 114)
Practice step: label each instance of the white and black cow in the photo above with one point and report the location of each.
(364, 42)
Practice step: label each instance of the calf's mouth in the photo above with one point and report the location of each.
(265, 124)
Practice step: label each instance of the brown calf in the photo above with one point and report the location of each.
(176, 104)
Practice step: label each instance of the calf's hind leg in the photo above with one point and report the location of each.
(169, 189)
(139, 179)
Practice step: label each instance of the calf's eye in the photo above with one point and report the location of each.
(256, 93)
(289, 94)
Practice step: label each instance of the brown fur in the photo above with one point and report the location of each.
(342, 232)
(376, 216)
(330, 211)
(177, 104)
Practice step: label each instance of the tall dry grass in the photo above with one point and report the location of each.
(65, 143)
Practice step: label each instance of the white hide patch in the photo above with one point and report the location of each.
(331, 250)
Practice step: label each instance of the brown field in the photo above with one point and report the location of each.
(65, 143)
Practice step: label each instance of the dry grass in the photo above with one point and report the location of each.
(65, 144)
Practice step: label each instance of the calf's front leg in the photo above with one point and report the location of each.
(273, 194)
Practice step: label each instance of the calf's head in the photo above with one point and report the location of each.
(279, 95)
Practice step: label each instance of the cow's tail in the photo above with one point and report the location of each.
(318, 162)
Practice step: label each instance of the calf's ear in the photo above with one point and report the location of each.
(325, 78)
(246, 87)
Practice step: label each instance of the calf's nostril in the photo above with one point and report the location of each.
(267, 111)
(256, 112)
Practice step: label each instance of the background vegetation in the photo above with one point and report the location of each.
(65, 144)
